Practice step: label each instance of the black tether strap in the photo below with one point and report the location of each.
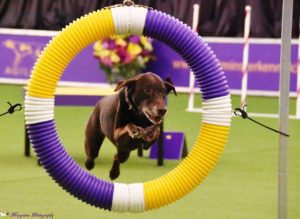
(12, 108)
(244, 115)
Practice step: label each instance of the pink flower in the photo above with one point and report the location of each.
(106, 61)
(109, 44)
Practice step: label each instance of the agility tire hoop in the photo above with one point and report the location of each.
(121, 197)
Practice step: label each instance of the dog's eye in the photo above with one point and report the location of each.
(147, 90)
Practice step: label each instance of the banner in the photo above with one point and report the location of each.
(263, 68)
(18, 53)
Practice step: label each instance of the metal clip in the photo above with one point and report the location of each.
(128, 3)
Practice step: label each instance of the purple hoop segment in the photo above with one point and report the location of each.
(191, 47)
(52, 155)
(66, 171)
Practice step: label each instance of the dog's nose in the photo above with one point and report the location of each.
(162, 111)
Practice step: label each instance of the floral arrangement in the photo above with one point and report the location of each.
(121, 57)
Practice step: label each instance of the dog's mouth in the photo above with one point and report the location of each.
(154, 119)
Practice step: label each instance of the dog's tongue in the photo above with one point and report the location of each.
(154, 119)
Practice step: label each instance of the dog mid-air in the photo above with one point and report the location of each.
(130, 118)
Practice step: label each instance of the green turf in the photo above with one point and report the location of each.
(243, 185)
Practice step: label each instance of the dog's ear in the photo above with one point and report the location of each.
(125, 83)
(130, 83)
(169, 85)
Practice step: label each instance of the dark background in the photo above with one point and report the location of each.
(217, 17)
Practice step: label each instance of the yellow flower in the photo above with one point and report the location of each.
(103, 53)
(146, 43)
(134, 49)
(121, 42)
(114, 57)
(97, 48)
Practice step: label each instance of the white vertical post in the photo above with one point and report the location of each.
(298, 78)
(196, 9)
(285, 66)
(245, 55)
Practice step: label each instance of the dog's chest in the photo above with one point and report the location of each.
(133, 144)
(137, 119)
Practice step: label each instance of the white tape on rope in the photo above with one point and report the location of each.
(128, 197)
(136, 197)
(120, 197)
(38, 109)
(217, 111)
(129, 20)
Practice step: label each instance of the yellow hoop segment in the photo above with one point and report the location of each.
(64, 47)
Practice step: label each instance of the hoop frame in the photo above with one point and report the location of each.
(39, 109)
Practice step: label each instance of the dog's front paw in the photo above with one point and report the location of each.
(151, 133)
(135, 131)
(89, 164)
(113, 174)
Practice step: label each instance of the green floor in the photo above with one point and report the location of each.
(243, 185)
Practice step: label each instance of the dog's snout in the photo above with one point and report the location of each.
(162, 111)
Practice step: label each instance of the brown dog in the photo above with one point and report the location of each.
(129, 119)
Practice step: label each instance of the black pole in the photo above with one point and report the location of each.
(160, 148)
(27, 144)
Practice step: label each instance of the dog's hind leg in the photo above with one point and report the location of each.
(93, 141)
(92, 147)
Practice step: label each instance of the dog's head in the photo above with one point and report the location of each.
(147, 93)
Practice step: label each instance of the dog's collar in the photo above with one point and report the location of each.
(130, 102)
